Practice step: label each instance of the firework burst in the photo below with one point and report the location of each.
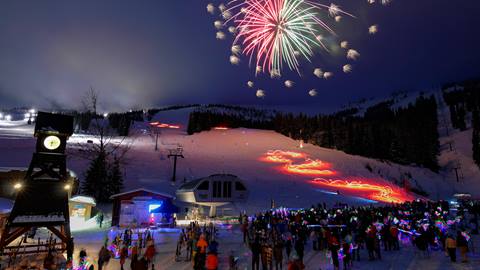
(278, 33)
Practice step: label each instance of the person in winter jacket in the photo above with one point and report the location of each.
(462, 245)
(278, 254)
(212, 261)
(451, 245)
(256, 250)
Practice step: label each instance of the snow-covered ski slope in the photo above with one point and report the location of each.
(273, 166)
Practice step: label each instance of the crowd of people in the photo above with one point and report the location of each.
(198, 244)
(344, 231)
(138, 246)
(279, 238)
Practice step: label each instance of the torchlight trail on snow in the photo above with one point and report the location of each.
(298, 163)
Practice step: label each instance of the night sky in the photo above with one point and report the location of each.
(161, 52)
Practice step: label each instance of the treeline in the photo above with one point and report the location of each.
(216, 115)
(464, 103)
(405, 135)
(120, 123)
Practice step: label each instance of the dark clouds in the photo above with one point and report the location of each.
(143, 53)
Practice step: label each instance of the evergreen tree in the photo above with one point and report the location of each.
(115, 178)
(96, 178)
(476, 137)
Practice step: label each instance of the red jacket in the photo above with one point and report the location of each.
(212, 262)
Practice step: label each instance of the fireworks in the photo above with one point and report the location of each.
(236, 49)
(327, 75)
(347, 68)
(211, 8)
(232, 29)
(234, 60)
(250, 84)
(318, 72)
(220, 35)
(280, 36)
(260, 93)
(289, 84)
(353, 54)
(313, 93)
(275, 33)
(218, 24)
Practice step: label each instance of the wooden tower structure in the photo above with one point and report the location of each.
(42, 197)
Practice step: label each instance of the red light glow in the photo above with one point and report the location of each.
(299, 163)
(220, 128)
(310, 167)
(163, 125)
(382, 193)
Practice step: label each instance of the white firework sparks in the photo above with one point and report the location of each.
(347, 68)
(333, 10)
(222, 7)
(236, 49)
(211, 8)
(226, 14)
(313, 92)
(318, 72)
(220, 35)
(371, 1)
(258, 69)
(327, 75)
(338, 18)
(289, 83)
(275, 74)
(353, 54)
(250, 84)
(373, 29)
(234, 60)
(260, 93)
(344, 44)
(218, 24)
(386, 2)
(232, 29)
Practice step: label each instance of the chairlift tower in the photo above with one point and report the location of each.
(175, 154)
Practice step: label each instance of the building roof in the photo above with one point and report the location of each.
(142, 190)
(192, 184)
(83, 199)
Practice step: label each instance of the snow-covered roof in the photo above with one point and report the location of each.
(142, 189)
(83, 199)
(38, 218)
(25, 169)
